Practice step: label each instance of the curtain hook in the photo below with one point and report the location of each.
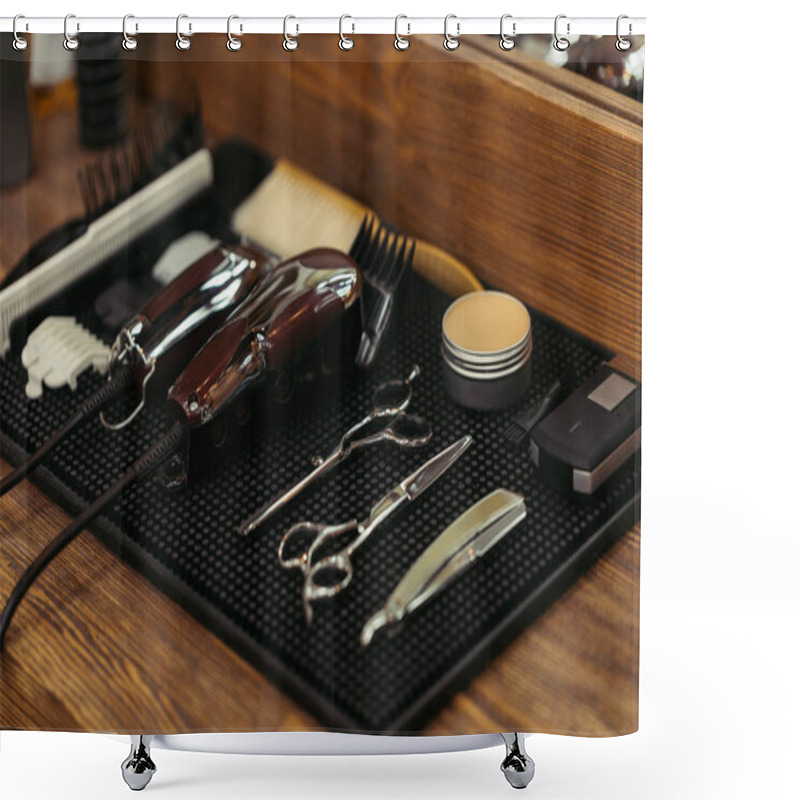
(129, 42)
(400, 42)
(451, 42)
(70, 42)
(623, 44)
(289, 42)
(182, 43)
(507, 42)
(561, 43)
(20, 42)
(345, 42)
(234, 44)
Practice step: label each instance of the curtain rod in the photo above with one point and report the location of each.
(350, 25)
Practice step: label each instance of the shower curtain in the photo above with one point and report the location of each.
(416, 176)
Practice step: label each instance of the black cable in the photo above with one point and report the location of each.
(149, 461)
(110, 389)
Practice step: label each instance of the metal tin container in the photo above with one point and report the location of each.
(486, 347)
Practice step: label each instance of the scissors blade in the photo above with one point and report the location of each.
(431, 470)
(273, 506)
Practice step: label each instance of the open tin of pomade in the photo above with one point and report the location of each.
(486, 346)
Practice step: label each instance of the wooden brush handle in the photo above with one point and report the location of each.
(303, 296)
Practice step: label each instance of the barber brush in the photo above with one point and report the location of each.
(303, 297)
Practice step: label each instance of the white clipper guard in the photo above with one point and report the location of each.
(57, 352)
(181, 254)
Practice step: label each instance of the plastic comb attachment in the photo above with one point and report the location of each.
(57, 352)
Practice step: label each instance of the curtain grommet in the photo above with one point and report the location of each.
(507, 42)
(182, 42)
(234, 43)
(451, 42)
(560, 43)
(622, 44)
(290, 43)
(345, 42)
(70, 42)
(19, 43)
(128, 42)
(401, 42)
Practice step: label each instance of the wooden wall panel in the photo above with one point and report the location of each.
(531, 175)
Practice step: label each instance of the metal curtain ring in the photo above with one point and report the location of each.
(623, 44)
(289, 42)
(70, 42)
(561, 43)
(400, 42)
(507, 42)
(20, 42)
(128, 42)
(451, 42)
(345, 42)
(182, 42)
(234, 44)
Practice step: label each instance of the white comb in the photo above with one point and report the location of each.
(105, 236)
(57, 352)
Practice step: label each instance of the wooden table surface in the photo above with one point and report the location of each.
(94, 646)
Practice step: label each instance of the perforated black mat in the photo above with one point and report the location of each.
(186, 542)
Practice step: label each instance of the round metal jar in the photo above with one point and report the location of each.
(486, 348)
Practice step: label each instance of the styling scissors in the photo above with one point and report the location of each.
(323, 552)
(387, 422)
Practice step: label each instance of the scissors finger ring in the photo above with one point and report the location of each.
(328, 577)
(304, 539)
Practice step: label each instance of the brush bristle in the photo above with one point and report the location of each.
(292, 211)
(515, 435)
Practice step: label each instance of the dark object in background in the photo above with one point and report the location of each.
(516, 434)
(170, 135)
(117, 304)
(591, 434)
(101, 89)
(15, 141)
(597, 58)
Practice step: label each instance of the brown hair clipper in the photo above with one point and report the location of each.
(303, 297)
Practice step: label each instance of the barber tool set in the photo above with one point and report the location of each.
(261, 395)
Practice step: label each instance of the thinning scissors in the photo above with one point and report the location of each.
(387, 422)
(323, 552)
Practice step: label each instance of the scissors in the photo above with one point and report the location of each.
(323, 552)
(387, 422)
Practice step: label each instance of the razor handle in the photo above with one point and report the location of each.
(303, 297)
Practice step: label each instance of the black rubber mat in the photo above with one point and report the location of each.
(186, 542)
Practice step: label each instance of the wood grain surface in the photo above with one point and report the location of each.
(536, 185)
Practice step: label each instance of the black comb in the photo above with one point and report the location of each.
(384, 256)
